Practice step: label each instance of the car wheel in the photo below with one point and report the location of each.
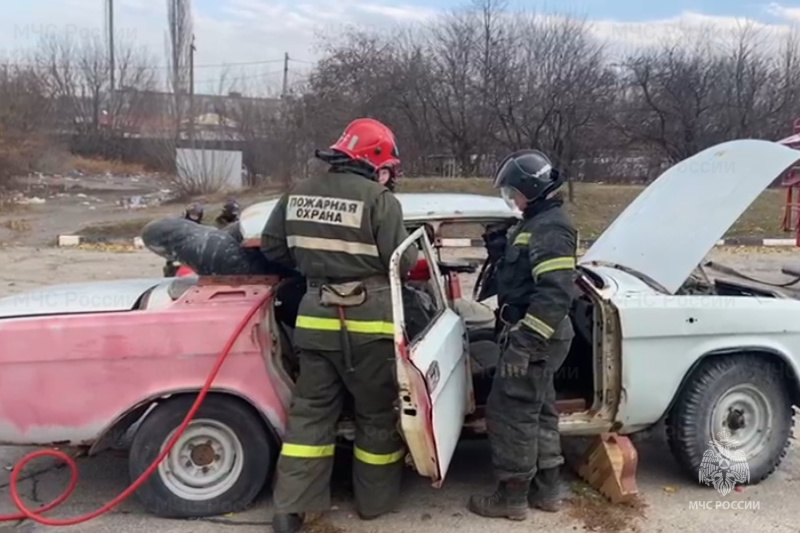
(218, 466)
(745, 397)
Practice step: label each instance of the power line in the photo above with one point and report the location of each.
(234, 78)
(167, 67)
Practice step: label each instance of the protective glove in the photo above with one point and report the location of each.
(518, 349)
(514, 363)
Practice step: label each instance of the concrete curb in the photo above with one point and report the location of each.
(66, 241)
(76, 240)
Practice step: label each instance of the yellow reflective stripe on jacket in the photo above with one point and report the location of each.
(523, 238)
(551, 265)
(538, 326)
(331, 245)
(378, 459)
(304, 451)
(373, 327)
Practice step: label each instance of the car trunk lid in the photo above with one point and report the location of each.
(673, 224)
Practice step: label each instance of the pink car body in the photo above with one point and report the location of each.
(111, 365)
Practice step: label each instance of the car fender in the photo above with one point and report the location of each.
(791, 375)
(647, 401)
(135, 414)
(665, 337)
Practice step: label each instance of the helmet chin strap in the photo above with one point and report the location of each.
(355, 168)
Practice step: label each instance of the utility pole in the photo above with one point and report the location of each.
(285, 74)
(112, 66)
(286, 168)
(192, 49)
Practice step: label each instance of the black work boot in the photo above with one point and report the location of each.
(548, 491)
(287, 523)
(367, 516)
(509, 500)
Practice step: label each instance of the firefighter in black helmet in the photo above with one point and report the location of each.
(535, 283)
(193, 212)
(230, 213)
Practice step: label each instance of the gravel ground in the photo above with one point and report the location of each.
(665, 493)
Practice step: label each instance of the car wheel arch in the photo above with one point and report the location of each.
(792, 377)
(138, 412)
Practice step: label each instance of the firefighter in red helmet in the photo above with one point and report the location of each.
(340, 230)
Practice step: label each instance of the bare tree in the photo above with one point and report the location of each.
(179, 47)
(558, 87)
(465, 51)
(674, 97)
(781, 96)
(24, 113)
(461, 90)
(74, 73)
(181, 40)
(136, 78)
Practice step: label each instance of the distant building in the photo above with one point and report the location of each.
(154, 114)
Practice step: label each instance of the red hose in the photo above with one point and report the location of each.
(36, 516)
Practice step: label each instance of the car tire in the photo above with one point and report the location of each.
(733, 389)
(232, 442)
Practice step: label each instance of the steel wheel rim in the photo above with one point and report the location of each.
(746, 414)
(205, 463)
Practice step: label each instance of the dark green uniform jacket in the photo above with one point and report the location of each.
(339, 228)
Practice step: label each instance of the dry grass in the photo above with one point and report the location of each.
(20, 226)
(94, 166)
(128, 229)
(123, 229)
(597, 205)
(9, 207)
(108, 248)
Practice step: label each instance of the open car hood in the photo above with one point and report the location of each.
(417, 207)
(673, 224)
(91, 297)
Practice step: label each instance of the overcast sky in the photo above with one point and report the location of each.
(259, 32)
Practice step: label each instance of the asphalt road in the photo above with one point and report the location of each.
(666, 502)
(666, 494)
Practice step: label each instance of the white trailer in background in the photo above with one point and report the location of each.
(210, 170)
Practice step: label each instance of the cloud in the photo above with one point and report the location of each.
(782, 12)
(259, 32)
(688, 27)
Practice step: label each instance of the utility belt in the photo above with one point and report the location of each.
(372, 282)
(341, 295)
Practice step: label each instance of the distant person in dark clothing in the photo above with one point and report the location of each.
(194, 212)
(230, 213)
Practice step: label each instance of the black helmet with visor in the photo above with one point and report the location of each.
(529, 173)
